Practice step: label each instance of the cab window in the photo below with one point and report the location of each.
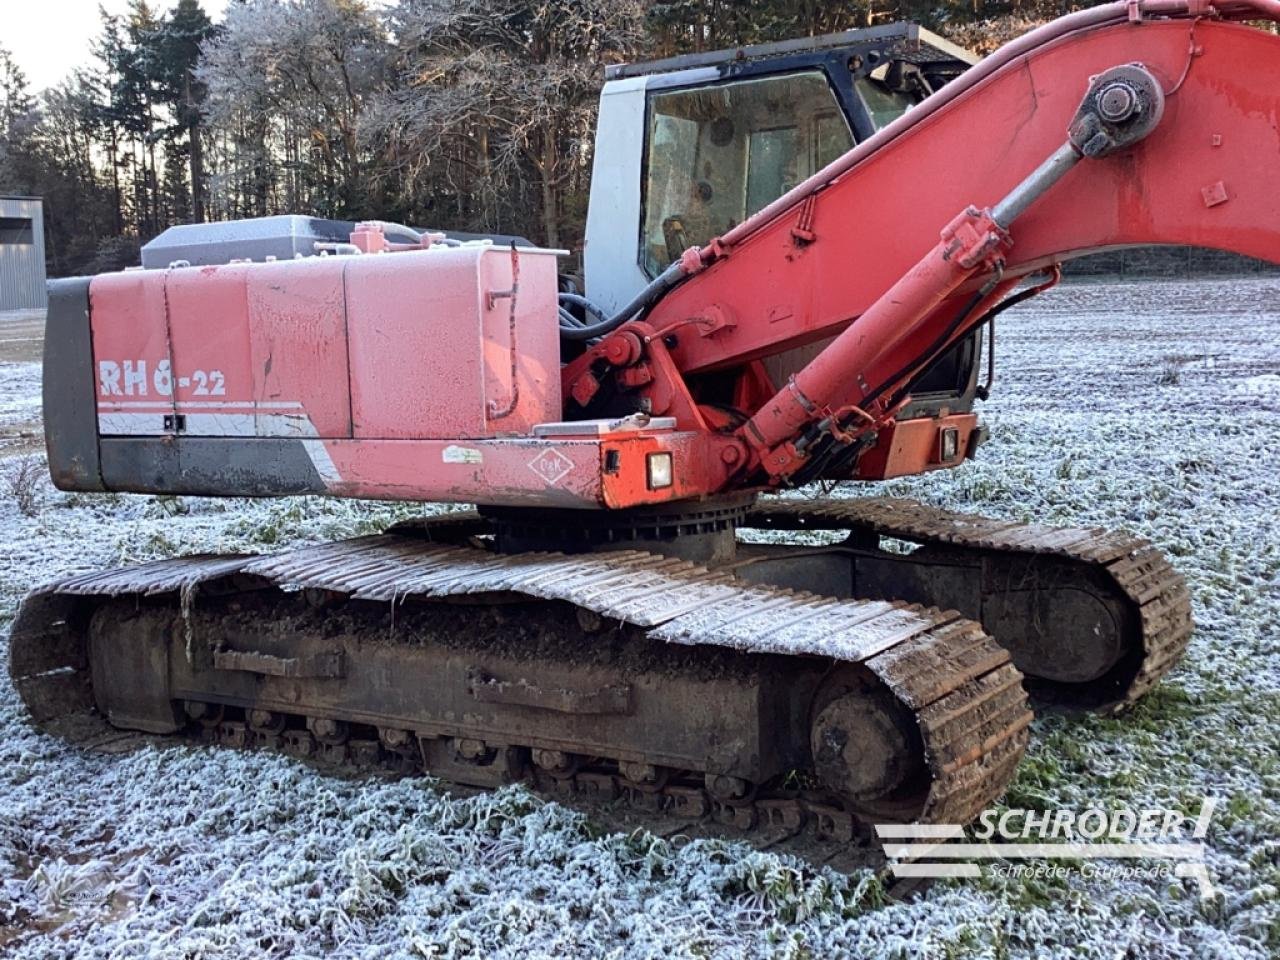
(885, 102)
(717, 154)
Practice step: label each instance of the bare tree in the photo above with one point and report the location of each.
(492, 96)
(289, 71)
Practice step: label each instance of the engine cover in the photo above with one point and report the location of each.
(424, 374)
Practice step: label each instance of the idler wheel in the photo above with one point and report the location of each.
(1074, 637)
(866, 747)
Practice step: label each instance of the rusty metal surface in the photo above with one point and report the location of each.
(955, 680)
(686, 603)
(149, 579)
(640, 588)
(1158, 594)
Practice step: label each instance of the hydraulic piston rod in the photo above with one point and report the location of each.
(1122, 106)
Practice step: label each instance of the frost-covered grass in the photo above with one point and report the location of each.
(1150, 407)
(19, 393)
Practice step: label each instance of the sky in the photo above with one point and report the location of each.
(50, 38)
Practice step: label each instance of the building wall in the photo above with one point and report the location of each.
(21, 254)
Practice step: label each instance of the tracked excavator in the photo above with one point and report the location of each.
(795, 255)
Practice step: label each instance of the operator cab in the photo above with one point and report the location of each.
(688, 147)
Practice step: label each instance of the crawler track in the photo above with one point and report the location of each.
(1152, 597)
(360, 652)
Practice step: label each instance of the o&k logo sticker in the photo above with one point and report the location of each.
(551, 465)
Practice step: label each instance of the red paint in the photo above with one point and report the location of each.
(908, 447)
(209, 325)
(429, 351)
(298, 341)
(128, 311)
(559, 472)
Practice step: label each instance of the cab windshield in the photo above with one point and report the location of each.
(719, 153)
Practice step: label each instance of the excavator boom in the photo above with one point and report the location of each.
(839, 253)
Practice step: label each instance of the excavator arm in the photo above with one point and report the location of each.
(910, 240)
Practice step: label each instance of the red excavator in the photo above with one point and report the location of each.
(794, 258)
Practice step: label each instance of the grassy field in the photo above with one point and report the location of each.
(1150, 407)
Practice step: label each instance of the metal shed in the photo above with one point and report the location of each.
(21, 254)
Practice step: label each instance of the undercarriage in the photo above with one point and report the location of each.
(875, 678)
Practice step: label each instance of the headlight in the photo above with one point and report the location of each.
(658, 467)
(948, 444)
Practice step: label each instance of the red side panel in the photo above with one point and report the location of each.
(431, 343)
(535, 397)
(415, 351)
(577, 472)
(298, 347)
(131, 352)
(209, 343)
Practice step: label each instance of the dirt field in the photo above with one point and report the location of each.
(21, 335)
(1151, 407)
(21, 341)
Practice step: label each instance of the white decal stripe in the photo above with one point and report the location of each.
(932, 831)
(321, 460)
(130, 424)
(1048, 851)
(936, 870)
(221, 424)
(240, 423)
(210, 404)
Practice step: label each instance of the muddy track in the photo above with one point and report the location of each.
(966, 708)
(1155, 593)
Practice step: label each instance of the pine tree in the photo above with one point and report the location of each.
(135, 64)
(17, 116)
(179, 42)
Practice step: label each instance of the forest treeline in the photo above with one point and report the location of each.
(463, 114)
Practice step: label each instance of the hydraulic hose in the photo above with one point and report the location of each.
(574, 299)
(669, 278)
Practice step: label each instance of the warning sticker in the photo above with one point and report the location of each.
(455, 454)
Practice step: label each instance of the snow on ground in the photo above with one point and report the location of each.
(19, 393)
(1150, 407)
(21, 334)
